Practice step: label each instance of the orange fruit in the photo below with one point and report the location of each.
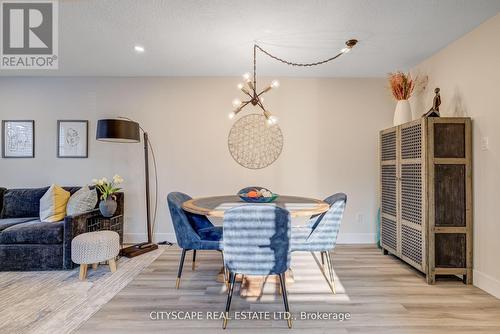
(252, 194)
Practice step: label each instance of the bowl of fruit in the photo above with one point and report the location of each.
(257, 195)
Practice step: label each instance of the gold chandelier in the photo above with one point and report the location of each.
(249, 87)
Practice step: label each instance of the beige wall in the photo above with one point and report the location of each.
(330, 129)
(468, 73)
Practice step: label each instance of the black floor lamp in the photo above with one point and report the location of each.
(128, 131)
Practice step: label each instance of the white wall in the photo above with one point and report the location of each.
(468, 73)
(330, 129)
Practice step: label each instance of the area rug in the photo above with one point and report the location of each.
(57, 301)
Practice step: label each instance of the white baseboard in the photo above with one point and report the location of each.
(133, 238)
(487, 283)
(344, 238)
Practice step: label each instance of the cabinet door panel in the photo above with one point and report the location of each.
(389, 234)
(389, 201)
(449, 195)
(411, 166)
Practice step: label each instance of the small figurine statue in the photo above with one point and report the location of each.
(434, 111)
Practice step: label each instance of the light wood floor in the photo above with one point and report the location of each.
(382, 295)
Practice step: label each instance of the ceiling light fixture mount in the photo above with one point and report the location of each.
(250, 89)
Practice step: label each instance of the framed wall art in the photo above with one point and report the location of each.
(18, 139)
(72, 139)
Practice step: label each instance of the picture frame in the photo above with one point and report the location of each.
(72, 139)
(18, 138)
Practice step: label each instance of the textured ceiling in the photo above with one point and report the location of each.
(215, 37)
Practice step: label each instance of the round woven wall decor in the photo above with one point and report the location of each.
(253, 143)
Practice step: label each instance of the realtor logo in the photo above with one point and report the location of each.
(29, 35)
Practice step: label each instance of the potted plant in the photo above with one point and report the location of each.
(108, 204)
(402, 86)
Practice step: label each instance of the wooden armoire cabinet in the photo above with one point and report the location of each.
(426, 195)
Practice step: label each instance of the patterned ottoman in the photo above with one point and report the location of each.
(95, 247)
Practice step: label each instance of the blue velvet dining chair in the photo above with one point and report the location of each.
(193, 232)
(256, 242)
(320, 233)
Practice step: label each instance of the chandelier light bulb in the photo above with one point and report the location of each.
(253, 97)
(244, 90)
(236, 103)
(272, 120)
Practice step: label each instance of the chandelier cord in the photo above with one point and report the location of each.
(350, 43)
(255, 67)
(255, 98)
(256, 46)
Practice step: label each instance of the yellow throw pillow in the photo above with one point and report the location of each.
(53, 204)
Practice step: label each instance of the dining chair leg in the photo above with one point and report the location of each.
(179, 273)
(224, 269)
(330, 270)
(285, 298)
(232, 278)
(194, 260)
(323, 268)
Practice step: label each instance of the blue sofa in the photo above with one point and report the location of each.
(26, 244)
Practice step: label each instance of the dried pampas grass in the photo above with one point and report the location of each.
(401, 85)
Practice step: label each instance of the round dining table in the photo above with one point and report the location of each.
(215, 207)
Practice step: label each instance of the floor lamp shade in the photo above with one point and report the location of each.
(118, 130)
(128, 131)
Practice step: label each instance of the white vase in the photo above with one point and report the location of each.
(402, 114)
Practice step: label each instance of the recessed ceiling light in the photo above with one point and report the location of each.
(139, 48)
